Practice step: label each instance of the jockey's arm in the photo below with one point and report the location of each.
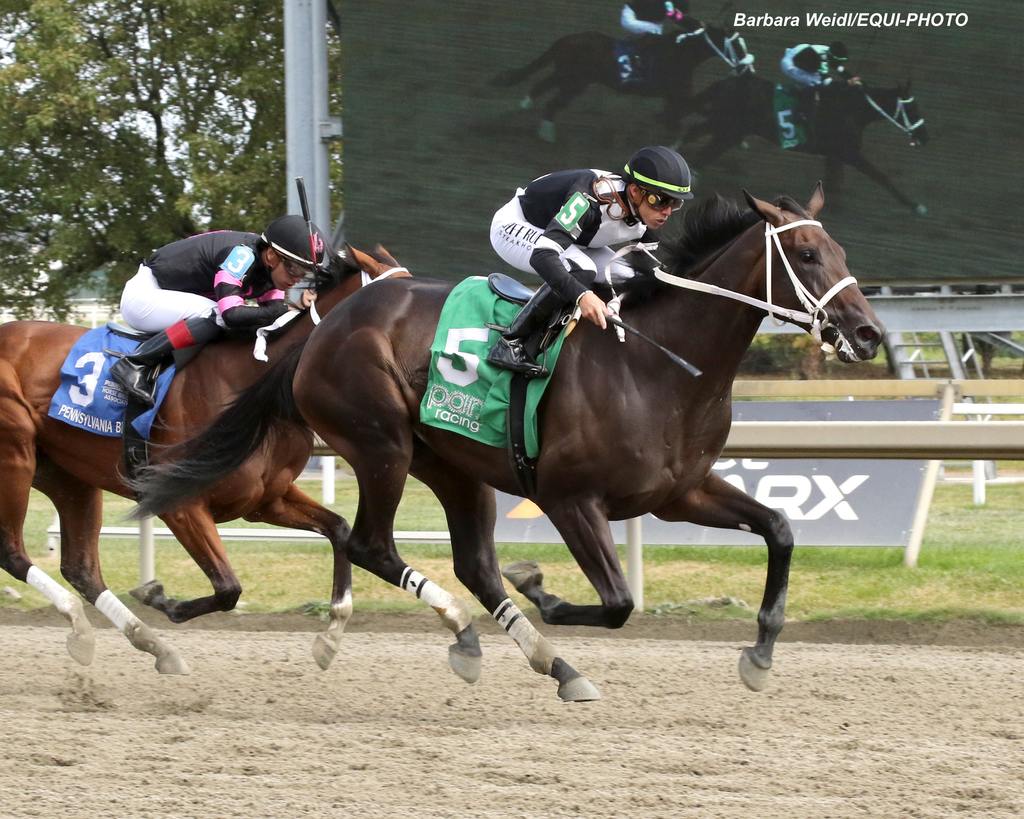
(631, 23)
(238, 315)
(806, 79)
(546, 260)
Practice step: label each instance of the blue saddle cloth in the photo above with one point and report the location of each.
(89, 399)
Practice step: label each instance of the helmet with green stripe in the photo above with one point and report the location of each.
(660, 170)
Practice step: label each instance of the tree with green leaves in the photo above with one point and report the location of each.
(127, 124)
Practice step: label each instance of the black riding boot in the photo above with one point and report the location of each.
(510, 352)
(137, 373)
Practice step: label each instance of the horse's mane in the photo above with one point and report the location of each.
(707, 228)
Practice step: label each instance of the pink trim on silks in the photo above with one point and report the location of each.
(271, 295)
(228, 302)
(179, 335)
(223, 277)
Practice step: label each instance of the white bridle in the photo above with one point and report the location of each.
(813, 314)
(900, 118)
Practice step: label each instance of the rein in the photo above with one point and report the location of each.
(813, 314)
(259, 350)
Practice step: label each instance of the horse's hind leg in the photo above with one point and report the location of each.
(469, 508)
(585, 530)
(81, 510)
(196, 531)
(17, 454)
(297, 510)
(719, 504)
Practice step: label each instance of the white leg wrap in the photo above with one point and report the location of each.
(520, 629)
(450, 609)
(50, 588)
(115, 611)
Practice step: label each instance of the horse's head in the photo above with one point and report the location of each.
(806, 274)
(908, 114)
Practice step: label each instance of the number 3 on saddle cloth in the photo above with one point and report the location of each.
(470, 397)
(89, 399)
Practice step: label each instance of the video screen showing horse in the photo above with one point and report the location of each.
(449, 107)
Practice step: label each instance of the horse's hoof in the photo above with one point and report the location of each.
(754, 676)
(578, 689)
(172, 663)
(82, 647)
(524, 572)
(324, 651)
(147, 591)
(546, 131)
(466, 665)
(921, 210)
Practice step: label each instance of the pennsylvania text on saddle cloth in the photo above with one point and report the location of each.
(88, 398)
(464, 393)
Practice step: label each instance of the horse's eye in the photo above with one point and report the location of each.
(808, 256)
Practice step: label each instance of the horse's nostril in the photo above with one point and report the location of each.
(868, 335)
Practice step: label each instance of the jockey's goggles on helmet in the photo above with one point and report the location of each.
(660, 201)
(295, 268)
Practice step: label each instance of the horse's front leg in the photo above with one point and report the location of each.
(584, 527)
(296, 510)
(719, 504)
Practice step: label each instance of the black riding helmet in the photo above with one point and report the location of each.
(660, 169)
(289, 236)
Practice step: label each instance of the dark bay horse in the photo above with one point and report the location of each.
(72, 467)
(736, 107)
(623, 434)
(576, 61)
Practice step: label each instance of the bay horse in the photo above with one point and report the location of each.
(741, 106)
(577, 61)
(73, 467)
(623, 434)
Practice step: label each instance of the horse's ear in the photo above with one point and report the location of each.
(817, 202)
(766, 210)
(365, 262)
(384, 255)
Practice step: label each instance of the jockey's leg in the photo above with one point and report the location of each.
(137, 373)
(510, 352)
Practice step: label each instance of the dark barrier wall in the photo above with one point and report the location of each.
(433, 147)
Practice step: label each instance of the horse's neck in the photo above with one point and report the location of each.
(300, 327)
(885, 98)
(717, 324)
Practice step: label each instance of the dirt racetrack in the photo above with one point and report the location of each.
(257, 730)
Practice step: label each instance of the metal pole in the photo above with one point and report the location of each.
(147, 551)
(327, 479)
(931, 475)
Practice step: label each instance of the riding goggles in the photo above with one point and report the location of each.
(660, 201)
(297, 269)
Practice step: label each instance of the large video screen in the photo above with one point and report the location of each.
(444, 118)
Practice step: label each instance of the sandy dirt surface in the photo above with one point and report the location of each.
(258, 730)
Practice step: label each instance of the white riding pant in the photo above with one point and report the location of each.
(514, 240)
(148, 307)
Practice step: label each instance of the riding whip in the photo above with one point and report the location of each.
(682, 362)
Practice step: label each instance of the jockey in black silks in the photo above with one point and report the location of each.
(190, 291)
(563, 227)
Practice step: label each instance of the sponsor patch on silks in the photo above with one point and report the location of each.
(88, 398)
(568, 218)
(464, 393)
(239, 260)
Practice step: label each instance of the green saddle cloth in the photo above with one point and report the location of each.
(792, 130)
(464, 393)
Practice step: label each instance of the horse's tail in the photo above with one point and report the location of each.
(517, 75)
(191, 467)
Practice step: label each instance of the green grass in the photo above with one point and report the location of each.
(970, 567)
